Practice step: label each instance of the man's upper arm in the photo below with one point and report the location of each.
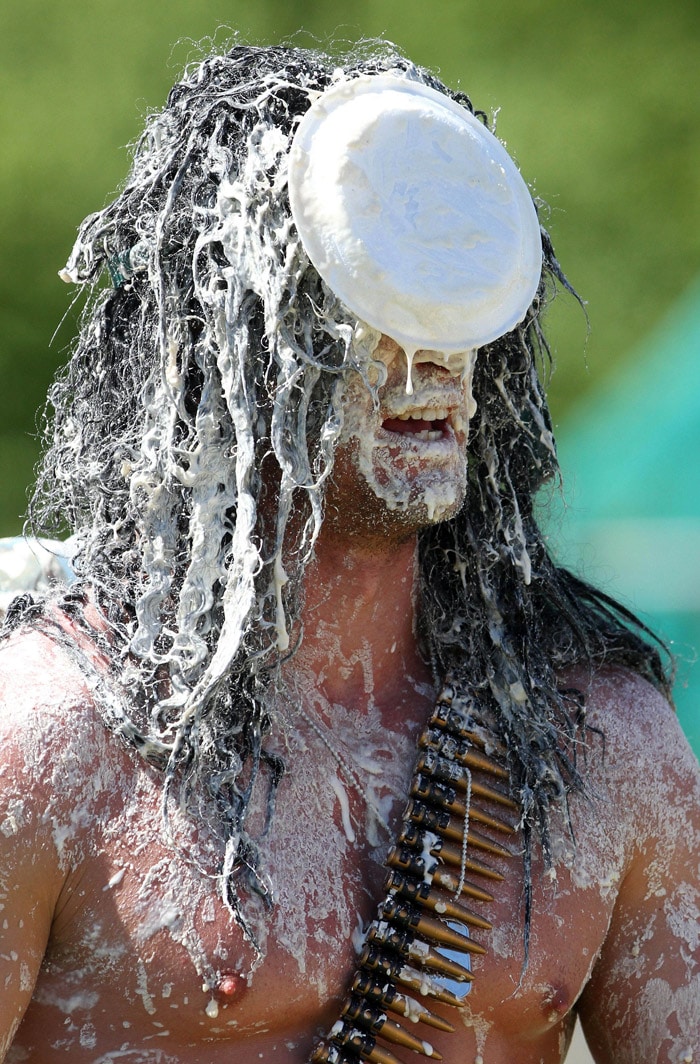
(642, 1004)
(30, 873)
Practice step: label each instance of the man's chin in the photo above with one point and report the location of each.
(389, 522)
(390, 500)
(436, 507)
(424, 499)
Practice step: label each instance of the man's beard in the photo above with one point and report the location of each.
(381, 502)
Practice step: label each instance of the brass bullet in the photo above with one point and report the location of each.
(456, 722)
(434, 793)
(425, 841)
(452, 855)
(379, 1056)
(490, 821)
(430, 930)
(461, 750)
(424, 895)
(414, 1010)
(475, 839)
(434, 962)
(481, 763)
(440, 822)
(450, 910)
(407, 861)
(361, 1043)
(450, 883)
(432, 765)
(479, 790)
(371, 1018)
(394, 1032)
(407, 945)
(385, 994)
(427, 986)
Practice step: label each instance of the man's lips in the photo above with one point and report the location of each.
(433, 414)
(412, 426)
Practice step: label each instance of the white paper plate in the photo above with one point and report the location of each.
(414, 214)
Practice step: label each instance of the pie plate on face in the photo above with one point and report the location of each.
(414, 214)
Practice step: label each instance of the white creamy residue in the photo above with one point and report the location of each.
(342, 797)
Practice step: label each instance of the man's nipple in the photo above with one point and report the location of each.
(227, 991)
(556, 1003)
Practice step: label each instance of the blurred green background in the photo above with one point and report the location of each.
(598, 102)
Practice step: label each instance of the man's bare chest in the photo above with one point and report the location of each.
(145, 944)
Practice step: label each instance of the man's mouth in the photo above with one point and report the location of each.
(425, 424)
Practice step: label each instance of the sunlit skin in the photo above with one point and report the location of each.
(94, 965)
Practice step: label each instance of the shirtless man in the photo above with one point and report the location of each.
(285, 547)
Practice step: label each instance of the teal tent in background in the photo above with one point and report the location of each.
(630, 457)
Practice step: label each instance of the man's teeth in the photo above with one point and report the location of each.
(423, 415)
(431, 414)
(427, 434)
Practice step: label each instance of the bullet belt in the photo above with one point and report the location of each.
(419, 945)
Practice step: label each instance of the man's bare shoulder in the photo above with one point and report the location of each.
(639, 762)
(52, 740)
(34, 665)
(631, 723)
(40, 682)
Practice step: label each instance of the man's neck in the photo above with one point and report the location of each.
(359, 639)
